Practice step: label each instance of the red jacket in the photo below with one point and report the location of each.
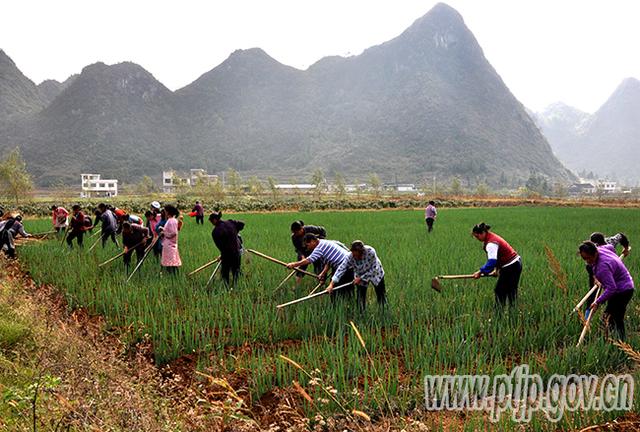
(505, 252)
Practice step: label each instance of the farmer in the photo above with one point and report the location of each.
(198, 211)
(59, 216)
(108, 222)
(11, 229)
(134, 238)
(159, 226)
(79, 224)
(332, 253)
(170, 255)
(614, 278)
(430, 214)
(366, 266)
(298, 230)
(610, 242)
(225, 236)
(500, 256)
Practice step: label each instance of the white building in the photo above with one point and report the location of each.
(93, 186)
(291, 187)
(399, 187)
(607, 186)
(171, 179)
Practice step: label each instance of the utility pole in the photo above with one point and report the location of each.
(434, 186)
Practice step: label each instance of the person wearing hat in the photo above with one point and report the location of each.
(366, 267)
(79, 224)
(60, 218)
(227, 239)
(12, 228)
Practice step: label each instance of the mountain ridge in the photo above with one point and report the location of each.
(425, 103)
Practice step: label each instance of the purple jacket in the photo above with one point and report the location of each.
(430, 212)
(612, 274)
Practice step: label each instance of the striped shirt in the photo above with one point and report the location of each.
(369, 268)
(330, 252)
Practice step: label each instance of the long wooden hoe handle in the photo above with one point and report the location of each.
(585, 329)
(146, 253)
(585, 298)
(282, 263)
(204, 266)
(310, 296)
(120, 254)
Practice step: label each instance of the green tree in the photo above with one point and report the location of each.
(146, 186)
(482, 190)
(375, 184)
(320, 183)
(341, 187)
(456, 187)
(255, 186)
(15, 180)
(234, 182)
(272, 187)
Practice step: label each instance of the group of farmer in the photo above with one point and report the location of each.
(348, 269)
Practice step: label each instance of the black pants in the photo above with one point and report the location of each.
(75, 235)
(614, 313)
(381, 295)
(200, 219)
(430, 224)
(507, 285)
(139, 254)
(346, 292)
(4, 240)
(230, 264)
(105, 236)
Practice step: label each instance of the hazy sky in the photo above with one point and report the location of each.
(575, 51)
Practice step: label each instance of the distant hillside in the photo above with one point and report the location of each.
(18, 94)
(424, 104)
(607, 142)
(50, 89)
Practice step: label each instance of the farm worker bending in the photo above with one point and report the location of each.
(108, 222)
(366, 266)
(500, 256)
(614, 278)
(59, 216)
(610, 242)
(134, 238)
(225, 236)
(430, 214)
(170, 255)
(298, 230)
(332, 253)
(198, 211)
(79, 224)
(157, 249)
(11, 229)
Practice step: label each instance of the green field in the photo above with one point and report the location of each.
(422, 332)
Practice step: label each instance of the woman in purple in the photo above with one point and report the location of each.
(614, 278)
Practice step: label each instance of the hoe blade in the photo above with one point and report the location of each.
(435, 284)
